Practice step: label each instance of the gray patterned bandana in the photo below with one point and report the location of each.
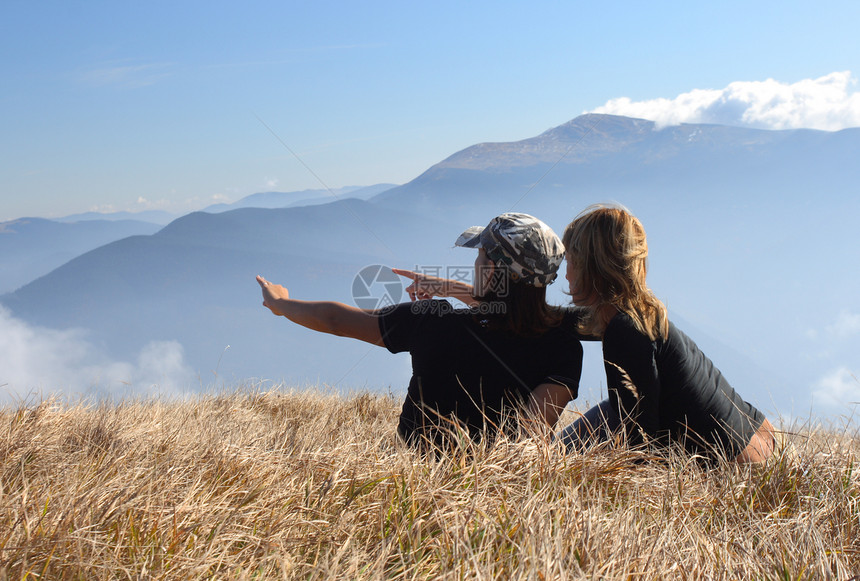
(527, 246)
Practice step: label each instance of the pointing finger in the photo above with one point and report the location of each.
(406, 273)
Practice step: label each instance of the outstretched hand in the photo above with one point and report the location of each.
(271, 294)
(423, 286)
(323, 316)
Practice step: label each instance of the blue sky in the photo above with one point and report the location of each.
(158, 105)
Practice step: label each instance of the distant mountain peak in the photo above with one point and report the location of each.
(592, 136)
(598, 123)
(11, 226)
(600, 133)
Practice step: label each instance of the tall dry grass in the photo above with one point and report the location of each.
(306, 485)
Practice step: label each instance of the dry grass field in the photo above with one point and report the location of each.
(308, 485)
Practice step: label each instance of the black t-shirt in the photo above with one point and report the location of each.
(465, 372)
(674, 393)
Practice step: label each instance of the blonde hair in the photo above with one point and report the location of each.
(609, 252)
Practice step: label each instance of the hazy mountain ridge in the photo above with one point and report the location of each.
(274, 200)
(33, 247)
(154, 216)
(303, 230)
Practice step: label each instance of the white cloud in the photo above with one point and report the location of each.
(38, 361)
(846, 325)
(838, 389)
(147, 204)
(829, 103)
(103, 208)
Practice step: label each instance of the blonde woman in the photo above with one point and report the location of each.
(662, 388)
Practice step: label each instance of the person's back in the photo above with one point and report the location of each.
(697, 406)
(467, 374)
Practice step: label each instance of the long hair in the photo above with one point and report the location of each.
(608, 250)
(516, 307)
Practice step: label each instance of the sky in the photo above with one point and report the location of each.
(131, 106)
(121, 106)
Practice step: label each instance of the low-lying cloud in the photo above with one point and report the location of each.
(839, 389)
(846, 325)
(37, 362)
(829, 103)
(836, 344)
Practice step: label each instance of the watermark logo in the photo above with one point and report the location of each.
(376, 287)
(437, 278)
(442, 308)
(498, 283)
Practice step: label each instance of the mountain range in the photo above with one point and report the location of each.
(752, 247)
(302, 198)
(32, 247)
